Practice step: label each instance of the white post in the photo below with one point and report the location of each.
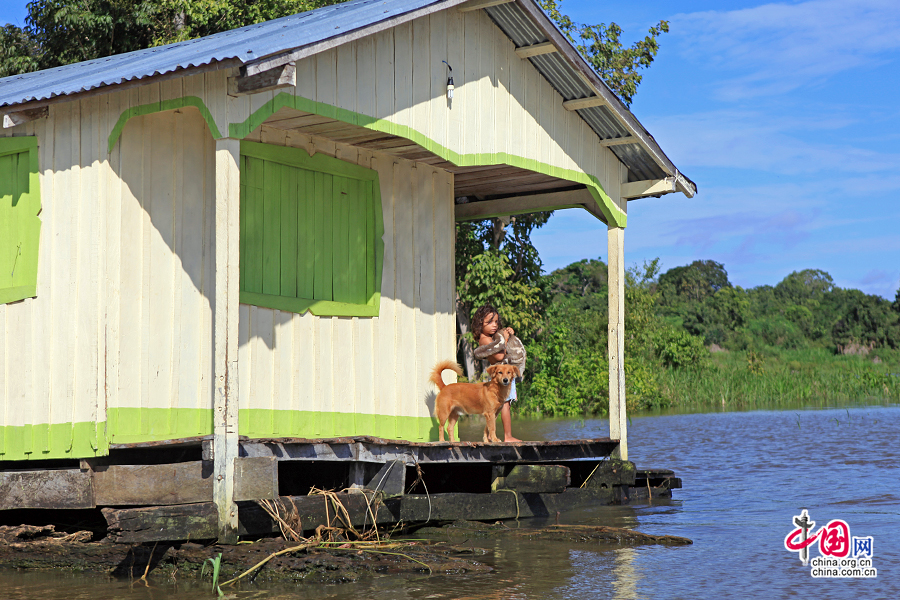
(615, 240)
(225, 413)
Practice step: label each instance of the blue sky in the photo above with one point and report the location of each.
(786, 115)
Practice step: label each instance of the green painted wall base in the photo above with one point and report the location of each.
(133, 425)
(259, 423)
(59, 440)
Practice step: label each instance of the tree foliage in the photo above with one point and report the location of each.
(18, 52)
(672, 318)
(61, 32)
(619, 66)
(515, 300)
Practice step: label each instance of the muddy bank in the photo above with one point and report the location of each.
(573, 534)
(436, 550)
(30, 547)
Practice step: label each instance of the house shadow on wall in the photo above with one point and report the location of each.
(166, 162)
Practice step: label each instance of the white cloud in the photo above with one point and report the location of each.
(776, 48)
(748, 139)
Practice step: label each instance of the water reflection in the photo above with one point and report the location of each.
(627, 574)
(745, 476)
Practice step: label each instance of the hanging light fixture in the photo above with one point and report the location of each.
(449, 81)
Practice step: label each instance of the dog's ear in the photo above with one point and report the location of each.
(491, 370)
(518, 372)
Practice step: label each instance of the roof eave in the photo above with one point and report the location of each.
(613, 102)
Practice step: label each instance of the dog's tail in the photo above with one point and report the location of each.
(440, 368)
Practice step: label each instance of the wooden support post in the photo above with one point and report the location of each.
(615, 239)
(225, 413)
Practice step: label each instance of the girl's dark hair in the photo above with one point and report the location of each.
(480, 315)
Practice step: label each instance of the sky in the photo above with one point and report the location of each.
(786, 116)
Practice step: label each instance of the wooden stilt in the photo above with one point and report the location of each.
(225, 414)
(616, 341)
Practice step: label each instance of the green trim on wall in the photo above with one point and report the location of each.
(294, 208)
(297, 157)
(320, 308)
(132, 425)
(20, 225)
(135, 425)
(13, 294)
(613, 214)
(59, 440)
(15, 145)
(163, 105)
(267, 423)
(609, 209)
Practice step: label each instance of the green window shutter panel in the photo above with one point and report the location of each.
(311, 233)
(20, 227)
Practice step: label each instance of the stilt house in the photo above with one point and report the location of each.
(252, 234)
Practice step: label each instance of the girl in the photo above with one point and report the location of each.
(499, 345)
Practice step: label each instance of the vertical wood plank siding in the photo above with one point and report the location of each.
(279, 203)
(503, 112)
(318, 376)
(117, 345)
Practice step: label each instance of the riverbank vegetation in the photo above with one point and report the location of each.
(694, 340)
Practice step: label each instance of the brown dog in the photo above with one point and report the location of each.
(472, 398)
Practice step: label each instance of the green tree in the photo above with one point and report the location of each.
(868, 320)
(619, 66)
(60, 32)
(801, 286)
(585, 279)
(694, 282)
(700, 297)
(18, 52)
(515, 300)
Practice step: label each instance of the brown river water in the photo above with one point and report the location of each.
(745, 476)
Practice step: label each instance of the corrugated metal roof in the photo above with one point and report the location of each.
(281, 39)
(234, 47)
(571, 85)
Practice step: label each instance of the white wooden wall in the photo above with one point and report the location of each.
(501, 103)
(121, 326)
(361, 366)
(122, 319)
(162, 248)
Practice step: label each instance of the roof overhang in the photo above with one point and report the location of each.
(540, 41)
(256, 50)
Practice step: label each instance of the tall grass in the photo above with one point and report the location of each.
(777, 378)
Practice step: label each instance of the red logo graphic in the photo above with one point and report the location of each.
(842, 556)
(834, 539)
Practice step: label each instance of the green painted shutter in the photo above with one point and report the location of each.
(311, 229)
(20, 227)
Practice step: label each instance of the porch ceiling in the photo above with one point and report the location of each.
(474, 182)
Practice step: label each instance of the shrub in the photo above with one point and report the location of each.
(679, 349)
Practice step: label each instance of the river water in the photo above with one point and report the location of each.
(745, 476)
